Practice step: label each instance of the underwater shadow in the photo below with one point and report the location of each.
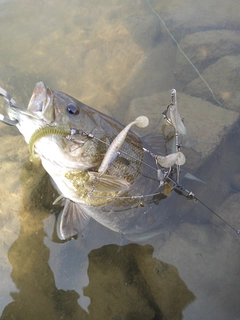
(124, 282)
(129, 283)
(38, 296)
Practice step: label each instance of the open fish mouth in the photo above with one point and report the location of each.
(38, 107)
(40, 103)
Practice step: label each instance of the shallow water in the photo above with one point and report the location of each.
(106, 54)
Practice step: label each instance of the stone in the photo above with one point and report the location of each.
(204, 49)
(206, 123)
(223, 78)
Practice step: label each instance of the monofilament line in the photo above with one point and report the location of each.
(170, 34)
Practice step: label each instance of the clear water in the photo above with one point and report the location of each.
(107, 53)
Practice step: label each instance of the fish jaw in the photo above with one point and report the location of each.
(39, 113)
(41, 103)
(48, 106)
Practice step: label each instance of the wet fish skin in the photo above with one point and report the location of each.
(73, 164)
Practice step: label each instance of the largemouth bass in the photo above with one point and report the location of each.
(71, 140)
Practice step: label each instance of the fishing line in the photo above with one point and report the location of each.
(237, 231)
(129, 197)
(90, 135)
(173, 38)
(176, 187)
(191, 194)
(166, 176)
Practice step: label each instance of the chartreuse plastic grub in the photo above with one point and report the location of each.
(43, 132)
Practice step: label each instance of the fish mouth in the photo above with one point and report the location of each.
(39, 106)
(40, 103)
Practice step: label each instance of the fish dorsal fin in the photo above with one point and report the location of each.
(106, 183)
(71, 220)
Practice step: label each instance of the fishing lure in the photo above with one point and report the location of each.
(175, 117)
(165, 162)
(42, 132)
(171, 159)
(115, 146)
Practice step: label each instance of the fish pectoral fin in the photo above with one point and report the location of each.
(106, 183)
(71, 220)
(192, 177)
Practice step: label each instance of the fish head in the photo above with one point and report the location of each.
(39, 113)
(54, 107)
(56, 110)
(46, 108)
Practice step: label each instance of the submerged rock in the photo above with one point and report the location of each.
(204, 49)
(223, 78)
(206, 123)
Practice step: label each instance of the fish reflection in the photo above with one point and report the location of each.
(124, 282)
(130, 284)
(38, 296)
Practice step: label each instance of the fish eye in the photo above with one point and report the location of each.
(72, 109)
